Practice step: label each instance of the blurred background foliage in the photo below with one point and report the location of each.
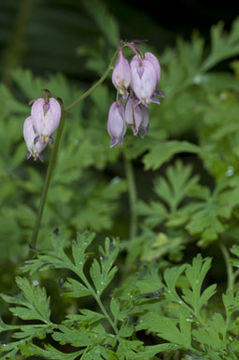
(186, 170)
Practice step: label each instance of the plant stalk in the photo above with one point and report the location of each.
(230, 275)
(129, 171)
(94, 86)
(99, 302)
(47, 182)
(53, 157)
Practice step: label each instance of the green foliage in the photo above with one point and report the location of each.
(144, 295)
(173, 310)
(181, 318)
(73, 186)
(183, 201)
(224, 45)
(163, 152)
(34, 304)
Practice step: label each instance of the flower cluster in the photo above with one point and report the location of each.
(136, 83)
(40, 125)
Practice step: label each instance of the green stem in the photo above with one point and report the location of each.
(99, 302)
(230, 275)
(132, 198)
(47, 182)
(94, 86)
(97, 298)
(55, 150)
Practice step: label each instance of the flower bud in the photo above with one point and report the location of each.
(144, 79)
(34, 144)
(121, 76)
(116, 124)
(137, 116)
(46, 115)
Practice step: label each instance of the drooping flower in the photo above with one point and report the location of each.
(137, 116)
(137, 86)
(116, 124)
(121, 76)
(34, 145)
(46, 115)
(144, 79)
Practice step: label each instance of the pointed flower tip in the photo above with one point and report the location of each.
(160, 93)
(41, 157)
(143, 131)
(51, 140)
(113, 142)
(28, 155)
(155, 100)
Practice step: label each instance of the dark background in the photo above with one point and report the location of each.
(43, 35)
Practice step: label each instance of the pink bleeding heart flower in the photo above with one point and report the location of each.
(35, 146)
(46, 115)
(137, 116)
(144, 79)
(116, 124)
(154, 61)
(121, 76)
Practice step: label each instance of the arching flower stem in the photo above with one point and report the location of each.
(53, 157)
